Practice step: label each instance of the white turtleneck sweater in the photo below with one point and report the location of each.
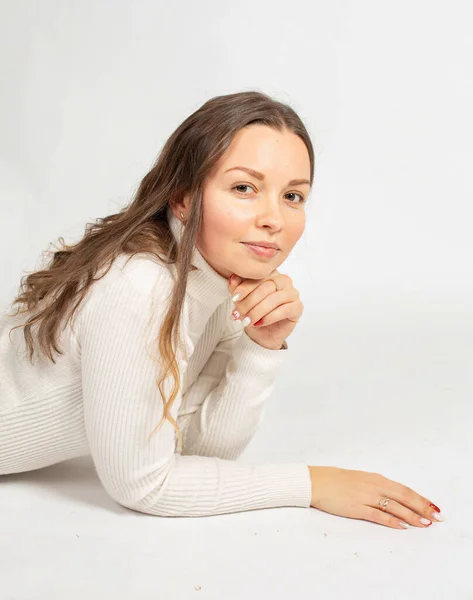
(101, 397)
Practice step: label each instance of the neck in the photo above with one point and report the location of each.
(204, 283)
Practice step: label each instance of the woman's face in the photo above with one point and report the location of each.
(241, 207)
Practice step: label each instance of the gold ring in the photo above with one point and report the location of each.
(384, 500)
(276, 284)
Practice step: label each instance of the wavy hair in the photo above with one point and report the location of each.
(181, 168)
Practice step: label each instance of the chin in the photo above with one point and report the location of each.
(254, 271)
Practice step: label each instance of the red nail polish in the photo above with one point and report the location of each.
(260, 322)
(436, 507)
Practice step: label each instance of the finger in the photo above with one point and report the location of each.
(412, 500)
(368, 513)
(254, 289)
(259, 300)
(289, 310)
(233, 282)
(407, 515)
(245, 287)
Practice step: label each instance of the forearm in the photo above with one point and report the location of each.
(224, 423)
(223, 427)
(194, 486)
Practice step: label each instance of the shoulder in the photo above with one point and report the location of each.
(138, 273)
(129, 280)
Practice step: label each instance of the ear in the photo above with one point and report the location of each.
(182, 205)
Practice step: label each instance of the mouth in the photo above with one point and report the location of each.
(261, 250)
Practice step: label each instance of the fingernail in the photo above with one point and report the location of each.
(425, 521)
(405, 525)
(236, 297)
(258, 323)
(246, 321)
(436, 507)
(235, 315)
(438, 517)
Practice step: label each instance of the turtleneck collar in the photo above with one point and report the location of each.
(205, 283)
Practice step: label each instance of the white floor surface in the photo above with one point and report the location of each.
(365, 388)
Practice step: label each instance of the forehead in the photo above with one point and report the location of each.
(271, 152)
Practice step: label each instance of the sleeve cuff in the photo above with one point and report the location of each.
(251, 359)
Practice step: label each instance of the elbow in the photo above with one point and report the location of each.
(144, 494)
(147, 506)
(135, 503)
(143, 506)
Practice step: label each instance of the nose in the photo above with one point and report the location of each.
(268, 214)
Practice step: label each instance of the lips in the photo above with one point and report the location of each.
(262, 245)
(261, 250)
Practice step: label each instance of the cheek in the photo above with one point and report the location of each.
(295, 230)
(220, 228)
(224, 226)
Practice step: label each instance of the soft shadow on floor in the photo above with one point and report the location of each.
(75, 479)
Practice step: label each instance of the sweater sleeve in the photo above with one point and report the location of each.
(225, 406)
(122, 406)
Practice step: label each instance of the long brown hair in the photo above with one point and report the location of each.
(181, 168)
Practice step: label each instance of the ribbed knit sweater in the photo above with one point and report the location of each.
(101, 397)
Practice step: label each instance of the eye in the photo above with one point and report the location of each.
(245, 185)
(241, 185)
(301, 196)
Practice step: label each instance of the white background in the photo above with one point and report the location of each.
(379, 377)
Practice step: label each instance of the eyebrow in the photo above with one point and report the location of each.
(260, 176)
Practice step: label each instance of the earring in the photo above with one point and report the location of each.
(182, 214)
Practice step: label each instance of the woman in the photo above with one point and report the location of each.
(177, 283)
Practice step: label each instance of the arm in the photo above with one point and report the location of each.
(226, 404)
(122, 405)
